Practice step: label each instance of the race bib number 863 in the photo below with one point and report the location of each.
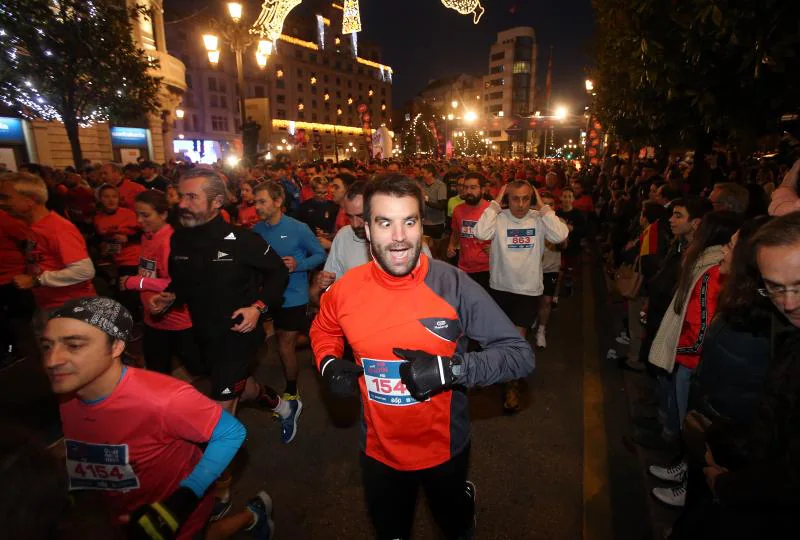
(520, 238)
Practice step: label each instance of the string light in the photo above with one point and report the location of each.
(465, 7)
(273, 14)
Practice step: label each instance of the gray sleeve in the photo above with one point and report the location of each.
(332, 263)
(73, 273)
(506, 355)
(441, 193)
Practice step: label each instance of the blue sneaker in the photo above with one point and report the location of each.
(261, 507)
(289, 424)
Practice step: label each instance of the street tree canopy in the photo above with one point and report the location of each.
(74, 61)
(692, 72)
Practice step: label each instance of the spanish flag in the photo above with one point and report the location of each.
(648, 241)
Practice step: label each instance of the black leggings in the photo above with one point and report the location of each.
(392, 497)
(161, 345)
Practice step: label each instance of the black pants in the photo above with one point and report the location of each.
(161, 345)
(16, 310)
(129, 297)
(481, 278)
(392, 497)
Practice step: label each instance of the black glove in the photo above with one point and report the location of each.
(341, 375)
(425, 374)
(162, 520)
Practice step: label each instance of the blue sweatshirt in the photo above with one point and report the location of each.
(292, 238)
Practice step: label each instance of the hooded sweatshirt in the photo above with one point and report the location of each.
(515, 264)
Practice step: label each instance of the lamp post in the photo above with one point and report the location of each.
(239, 36)
(590, 91)
(335, 140)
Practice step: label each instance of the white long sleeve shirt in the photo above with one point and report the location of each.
(515, 264)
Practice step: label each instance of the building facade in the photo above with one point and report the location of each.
(150, 137)
(315, 89)
(509, 92)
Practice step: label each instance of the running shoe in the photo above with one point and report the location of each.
(623, 338)
(260, 506)
(472, 493)
(675, 473)
(289, 423)
(541, 340)
(511, 402)
(674, 496)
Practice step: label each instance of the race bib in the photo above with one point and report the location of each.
(468, 229)
(384, 384)
(520, 238)
(99, 466)
(113, 248)
(147, 268)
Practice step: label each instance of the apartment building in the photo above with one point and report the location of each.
(318, 82)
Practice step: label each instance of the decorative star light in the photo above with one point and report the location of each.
(351, 17)
(465, 7)
(273, 14)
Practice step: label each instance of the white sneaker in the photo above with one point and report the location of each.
(611, 354)
(675, 496)
(673, 473)
(623, 339)
(541, 340)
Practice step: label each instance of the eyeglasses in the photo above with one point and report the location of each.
(777, 292)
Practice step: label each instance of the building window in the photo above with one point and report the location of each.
(312, 57)
(189, 81)
(301, 115)
(383, 90)
(188, 99)
(495, 109)
(498, 56)
(280, 98)
(258, 91)
(213, 100)
(325, 78)
(314, 90)
(349, 83)
(298, 54)
(280, 83)
(281, 113)
(299, 87)
(219, 123)
(495, 95)
(195, 123)
(313, 103)
(222, 86)
(223, 102)
(313, 117)
(495, 82)
(497, 69)
(494, 133)
(522, 67)
(338, 81)
(212, 84)
(360, 86)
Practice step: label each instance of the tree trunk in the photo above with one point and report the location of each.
(74, 142)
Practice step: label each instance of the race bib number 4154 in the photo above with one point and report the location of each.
(520, 238)
(99, 466)
(383, 383)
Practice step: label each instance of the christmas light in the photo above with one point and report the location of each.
(321, 31)
(351, 17)
(273, 14)
(465, 7)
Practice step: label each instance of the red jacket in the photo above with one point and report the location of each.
(700, 310)
(436, 309)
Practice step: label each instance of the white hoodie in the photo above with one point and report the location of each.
(515, 264)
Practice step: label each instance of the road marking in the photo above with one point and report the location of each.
(596, 489)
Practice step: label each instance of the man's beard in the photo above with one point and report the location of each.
(360, 232)
(471, 200)
(191, 219)
(383, 256)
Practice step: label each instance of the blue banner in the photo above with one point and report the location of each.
(128, 137)
(11, 130)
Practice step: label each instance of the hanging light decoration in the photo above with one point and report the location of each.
(351, 17)
(465, 7)
(273, 14)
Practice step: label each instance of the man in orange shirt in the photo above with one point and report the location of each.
(409, 320)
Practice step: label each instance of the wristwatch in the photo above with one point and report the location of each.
(456, 366)
(260, 306)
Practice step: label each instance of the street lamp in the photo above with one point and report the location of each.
(179, 113)
(454, 104)
(470, 116)
(561, 112)
(239, 37)
(589, 85)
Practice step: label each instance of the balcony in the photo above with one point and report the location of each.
(171, 70)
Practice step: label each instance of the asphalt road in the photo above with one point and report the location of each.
(556, 470)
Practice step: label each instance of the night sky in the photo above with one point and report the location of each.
(423, 40)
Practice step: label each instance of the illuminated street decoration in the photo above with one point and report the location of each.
(465, 7)
(273, 14)
(351, 17)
